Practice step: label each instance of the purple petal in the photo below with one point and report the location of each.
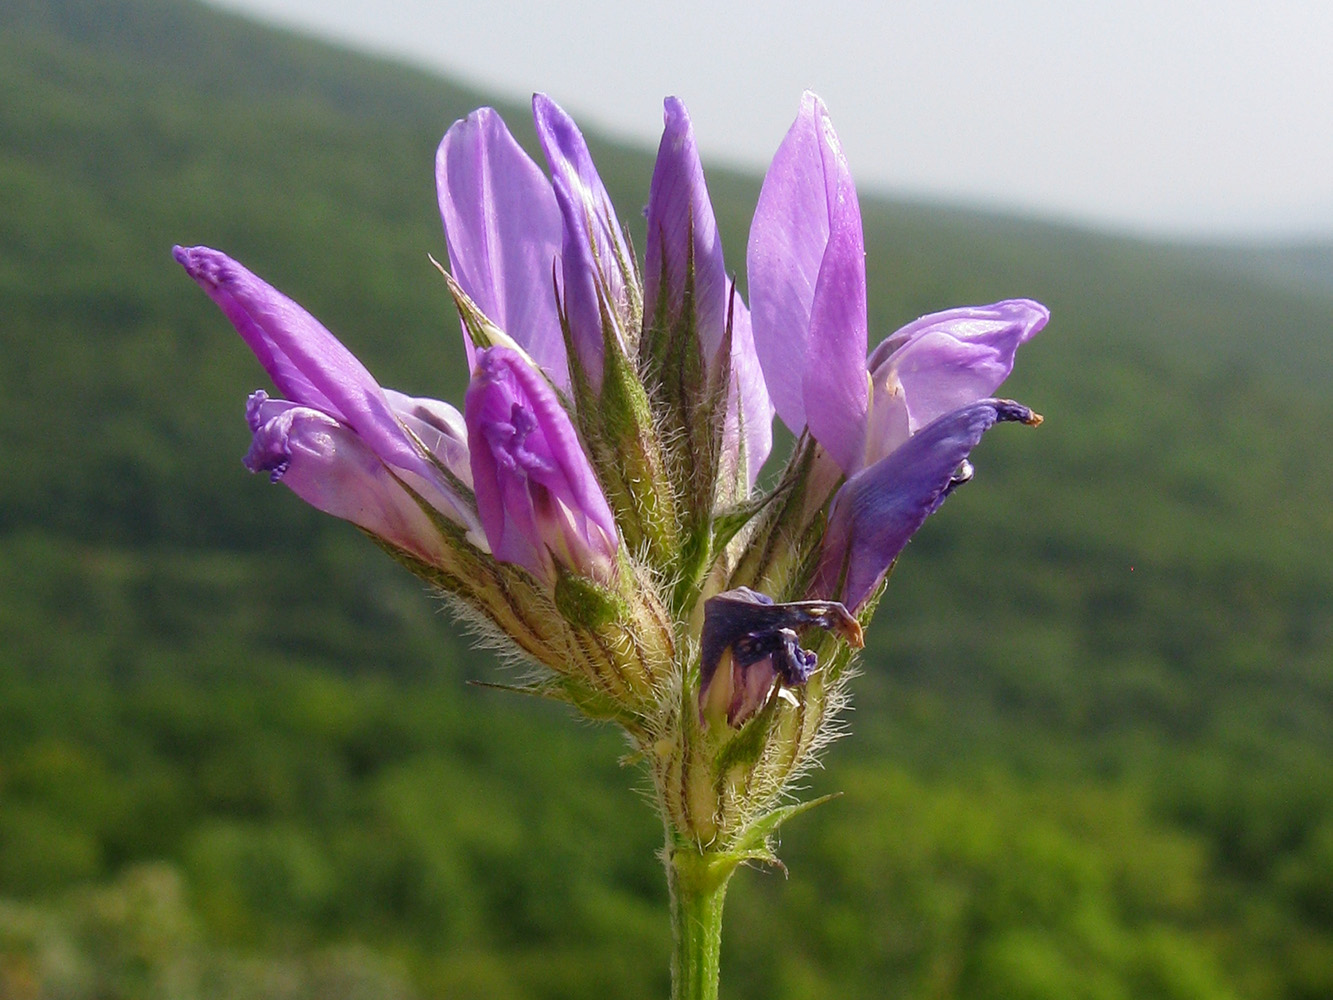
(682, 233)
(837, 392)
(807, 201)
(880, 508)
(439, 427)
(503, 228)
(327, 465)
(748, 429)
(949, 359)
(307, 363)
(538, 499)
(592, 244)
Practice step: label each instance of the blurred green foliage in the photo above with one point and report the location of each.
(1093, 751)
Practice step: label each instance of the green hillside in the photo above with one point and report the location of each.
(1092, 750)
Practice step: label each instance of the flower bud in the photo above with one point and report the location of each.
(537, 497)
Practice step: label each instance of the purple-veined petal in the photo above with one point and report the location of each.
(946, 360)
(807, 201)
(329, 466)
(879, 508)
(538, 499)
(592, 245)
(682, 233)
(307, 363)
(503, 228)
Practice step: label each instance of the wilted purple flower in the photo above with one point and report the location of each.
(749, 643)
(881, 507)
(339, 440)
(503, 227)
(539, 500)
(687, 291)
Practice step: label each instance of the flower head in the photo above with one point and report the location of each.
(593, 502)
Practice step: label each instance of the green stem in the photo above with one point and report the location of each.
(698, 883)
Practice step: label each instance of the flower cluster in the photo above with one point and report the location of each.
(595, 503)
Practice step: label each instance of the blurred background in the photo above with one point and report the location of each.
(1092, 750)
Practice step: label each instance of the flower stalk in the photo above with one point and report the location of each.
(697, 881)
(593, 510)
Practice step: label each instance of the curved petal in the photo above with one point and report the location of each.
(439, 427)
(952, 358)
(880, 508)
(592, 246)
(307, 363)
(503, 229)
(807, 198)
(327, 465)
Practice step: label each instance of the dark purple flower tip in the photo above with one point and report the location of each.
(749, 642)
(879, 509)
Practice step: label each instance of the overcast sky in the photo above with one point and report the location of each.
(1174, 117)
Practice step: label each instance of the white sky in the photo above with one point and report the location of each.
(1176, 117)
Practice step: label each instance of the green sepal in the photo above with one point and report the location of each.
(783, 553)
(730, 521)
(586, 602)
(570, 691)
(481, 329)
(753, 843)
(745, 748)
(617, 427)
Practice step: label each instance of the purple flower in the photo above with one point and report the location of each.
(881, 507)
(749, 644)
(806, 263)
(808, 291)
(504, 228)
(339, 440)
(539, 501)
(595, 261)
(687, 289)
